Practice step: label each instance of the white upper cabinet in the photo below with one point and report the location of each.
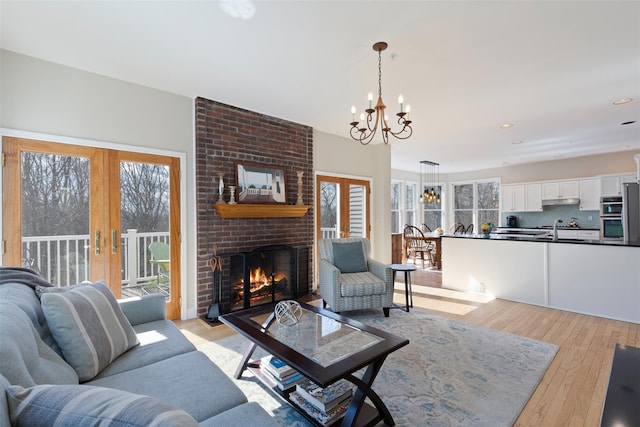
(611, 185)
(560, 190)
(533, 197)
(513, 198)
(521, 198)
(589, 194)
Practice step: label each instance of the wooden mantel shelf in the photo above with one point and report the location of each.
(260, 211)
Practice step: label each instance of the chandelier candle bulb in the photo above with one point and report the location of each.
(370, 98)
(400, 101)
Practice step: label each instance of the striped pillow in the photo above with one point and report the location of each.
(89, 327)
(78, 405)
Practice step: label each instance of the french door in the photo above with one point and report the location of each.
(343, 207)
(76, 213)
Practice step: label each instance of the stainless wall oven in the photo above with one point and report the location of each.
(611, 226)
(611, 206)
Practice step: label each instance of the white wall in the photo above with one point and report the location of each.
(342, 156)
(41, 97)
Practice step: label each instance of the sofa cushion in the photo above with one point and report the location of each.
(76, 405)
(25, 359)
(349, 257)
(89, 327)
(25, 298)
(189, 381)
(158, 341)
(247, 415)
(359, 284)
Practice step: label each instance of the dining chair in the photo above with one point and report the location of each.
(425, 228)
(417, 245)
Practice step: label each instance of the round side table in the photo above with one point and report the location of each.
(407, 282)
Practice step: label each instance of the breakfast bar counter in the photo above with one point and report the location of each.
(583, 276)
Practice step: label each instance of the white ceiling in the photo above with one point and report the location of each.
(551, 68)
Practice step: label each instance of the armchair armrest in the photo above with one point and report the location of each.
(143, 309)
(330, 283)
(384, 272)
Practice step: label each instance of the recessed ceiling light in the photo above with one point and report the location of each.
(506, 126)
(622, 101)
(516, 142)
(628, 123)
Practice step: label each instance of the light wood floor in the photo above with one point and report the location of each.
(573, 389)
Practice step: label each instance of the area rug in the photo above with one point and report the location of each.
(452, 373)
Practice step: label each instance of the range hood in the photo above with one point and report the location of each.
(559, 202)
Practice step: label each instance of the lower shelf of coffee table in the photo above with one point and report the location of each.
(368, 415)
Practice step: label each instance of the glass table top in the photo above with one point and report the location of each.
(318, 337)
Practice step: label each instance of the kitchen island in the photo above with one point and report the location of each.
(583, 276)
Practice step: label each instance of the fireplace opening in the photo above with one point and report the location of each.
(267, 274)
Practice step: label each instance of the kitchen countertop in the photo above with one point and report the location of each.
(542, 238)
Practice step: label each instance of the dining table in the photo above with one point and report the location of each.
(434, 237)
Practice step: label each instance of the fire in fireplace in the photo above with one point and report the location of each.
(268, 274)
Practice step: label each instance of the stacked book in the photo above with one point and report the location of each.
(283, 375)
(326, 405)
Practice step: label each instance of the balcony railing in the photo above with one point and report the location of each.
(64, 260)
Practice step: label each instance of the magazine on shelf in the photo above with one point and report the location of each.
(277, 367)
(325, 398)
(285, 384)
(323, 417)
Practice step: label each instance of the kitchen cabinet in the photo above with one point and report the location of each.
(567, 234)
(589, 234)
(560, 190)
(533, 197)
(513, 198)
(521, 198)
(589, 194)
(611, 185)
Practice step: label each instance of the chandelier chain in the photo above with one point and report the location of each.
(379, 73)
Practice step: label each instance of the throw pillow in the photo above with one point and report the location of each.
(78, 405)
(39, 290)
(349, 257)
(89, 327)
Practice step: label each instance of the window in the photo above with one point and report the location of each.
(410, 204)
(433, 212)
(476, 203)
(488, 202)
(396, 198)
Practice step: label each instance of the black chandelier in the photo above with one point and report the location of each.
(365, 133)
(429, 182)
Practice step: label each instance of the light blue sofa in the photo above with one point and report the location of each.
(164, 366)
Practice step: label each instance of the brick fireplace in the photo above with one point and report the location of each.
(226, 135)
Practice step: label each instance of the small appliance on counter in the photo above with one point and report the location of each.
(512, 221)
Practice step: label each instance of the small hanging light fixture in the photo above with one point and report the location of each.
(429, 182)
(365, 133)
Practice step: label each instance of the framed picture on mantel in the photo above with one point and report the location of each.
(260, 183)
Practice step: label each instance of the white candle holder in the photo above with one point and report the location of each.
(232, 197)
(300, 202)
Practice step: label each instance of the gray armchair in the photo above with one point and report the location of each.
(350, 279)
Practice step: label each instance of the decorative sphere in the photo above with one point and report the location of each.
(288, 312)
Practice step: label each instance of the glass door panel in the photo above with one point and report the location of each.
(343, 207)
(329, 211)
(55, 216)
(357, 210)
(144, 221)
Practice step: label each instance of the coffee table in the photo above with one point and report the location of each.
(324, 347)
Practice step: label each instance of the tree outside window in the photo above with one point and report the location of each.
(396, 197)
(476, 203)
(433, 212)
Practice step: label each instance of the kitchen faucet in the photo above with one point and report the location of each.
(555, 228)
